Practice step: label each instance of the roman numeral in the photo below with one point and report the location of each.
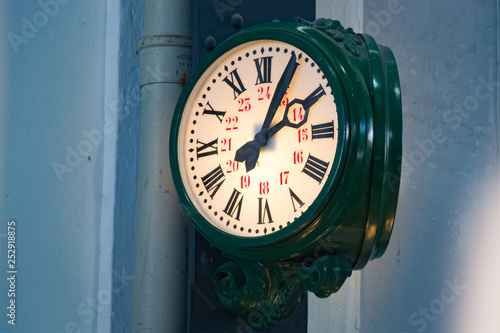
(206, 149)
(237, 87)
(213, 181)
(294, 198)
(212, 112)
(315, 168)
(322, 131)
(263, 66)
(233, 205)
(263, 211)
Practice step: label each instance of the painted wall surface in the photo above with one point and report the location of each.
(129, 101)
(52, 139)
(440, 272)
(68, 144)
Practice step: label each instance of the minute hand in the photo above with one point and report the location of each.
(250, 151)
(280, 91)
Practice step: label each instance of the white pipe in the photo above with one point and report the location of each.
(159, 302)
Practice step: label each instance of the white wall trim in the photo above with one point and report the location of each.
(108, 127)
(339, 313)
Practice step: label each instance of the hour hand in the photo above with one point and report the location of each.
(249, 153)
(306, 105)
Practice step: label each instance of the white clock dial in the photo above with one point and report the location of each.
(251, 170)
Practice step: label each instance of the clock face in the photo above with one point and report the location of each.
(258, 138)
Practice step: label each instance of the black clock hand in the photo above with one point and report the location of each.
(312, 98)
(250, 151)
(280, 91)
(306, 104)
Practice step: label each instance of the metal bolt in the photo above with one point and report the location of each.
(237, 21)
(210, 43)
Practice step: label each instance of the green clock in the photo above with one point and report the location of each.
(258, 142)
(282, 146)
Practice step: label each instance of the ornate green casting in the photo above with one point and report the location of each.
(263, 293)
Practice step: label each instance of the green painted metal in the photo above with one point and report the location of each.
(351, 220)
(264, 292)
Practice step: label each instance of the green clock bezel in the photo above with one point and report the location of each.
(339, 72)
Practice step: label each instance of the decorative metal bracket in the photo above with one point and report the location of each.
(334, 29)
(263, 293)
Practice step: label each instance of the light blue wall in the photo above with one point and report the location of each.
(52, 104)
(131, 24)
(447, 52)
(51, 95)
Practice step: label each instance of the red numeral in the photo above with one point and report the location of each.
(226, 145)
(298, 157)
(245, 181)
(284, 177)
(232, 166)
(244, 104)
(285, 100)
(264, 188)
(263, 95)
(234, 121)
(298, 114)
(303, 134)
